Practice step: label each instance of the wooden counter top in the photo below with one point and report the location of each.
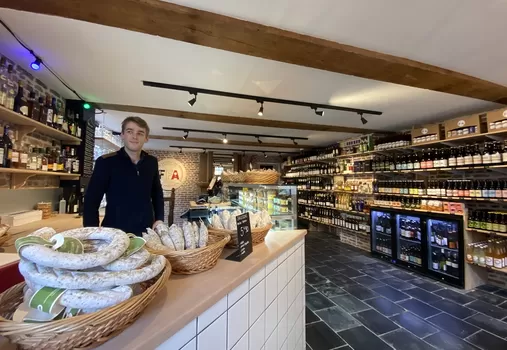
(60, 223)
(186, 297)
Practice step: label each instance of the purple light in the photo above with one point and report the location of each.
(35, 65)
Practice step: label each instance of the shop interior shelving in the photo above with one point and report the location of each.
(27, 125)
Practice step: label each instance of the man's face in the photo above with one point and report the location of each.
(134, 137)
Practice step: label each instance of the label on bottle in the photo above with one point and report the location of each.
(502, 228)
(469, 160)
(15, 157)
(49, 117)
(417, 165)
(44, 167)
(486, 158)
(460, 161)
(504, 193)
(23, 157)
(496, 158)
(452, 162)
(491, 193)
(504, 157)
(55, 167)
(2, 153)
(477, 159)
(498, 263)
(454, 265)
(444, 267)
(476, 259)
(489, 261)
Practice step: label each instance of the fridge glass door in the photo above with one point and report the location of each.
(381, 229)
(443, 247)
(409, 231)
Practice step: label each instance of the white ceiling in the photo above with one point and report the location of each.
(107, 64)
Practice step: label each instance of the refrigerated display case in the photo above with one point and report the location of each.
(381, 233)
(431, 244)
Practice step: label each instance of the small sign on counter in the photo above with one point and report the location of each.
(244, 238)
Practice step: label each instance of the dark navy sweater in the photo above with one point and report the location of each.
(133, 193)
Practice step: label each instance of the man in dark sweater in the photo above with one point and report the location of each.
(130, 180)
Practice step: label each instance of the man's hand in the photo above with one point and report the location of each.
(156, 223)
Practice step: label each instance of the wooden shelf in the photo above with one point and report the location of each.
(36, 172)
(102, 142)
(15, 118)
(487, 232)
(479, 199)
(364, 233)
(374, 207)
(351, 212)
(504, 270)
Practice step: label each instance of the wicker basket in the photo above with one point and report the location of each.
(258, 235)
(262, 177)
(188, 262)
(80, 332)
(5, 238)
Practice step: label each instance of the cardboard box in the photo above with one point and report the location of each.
(462, 126)
(497, 120)
(426, 133)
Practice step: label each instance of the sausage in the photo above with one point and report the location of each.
(154, 242)
(188, 235)
(131, 262)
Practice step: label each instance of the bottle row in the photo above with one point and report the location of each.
(338, 201)
(383, 245)
(445, 261)
(43, 108)
(487, 220)
(410, 228)
(331, 217)
(444, 234)
(490, 253)
(444, 188)
(420, 204)
(411, 253)
(36, 158)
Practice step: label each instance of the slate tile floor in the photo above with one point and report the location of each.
(357, 302)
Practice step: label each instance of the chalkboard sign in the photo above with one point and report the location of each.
(244, 238)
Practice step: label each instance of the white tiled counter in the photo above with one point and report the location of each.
(256, 304)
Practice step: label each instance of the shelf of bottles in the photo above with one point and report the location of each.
(488, 221)
(381, 223)
(409, 236)
(339, 202)
(491, 253)
(350, 221)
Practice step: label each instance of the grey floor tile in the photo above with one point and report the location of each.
(397, 283)
(337, 318)
(489, 324)
(341, 280)
(375, 322)
(368, 282)
(414, 324)
(309, 289)
(503, 306)
(326, 270)
(345, 347)
(401, 340)
(310, 316)
(453, 309)
(425, 284)
(487, 341)
(455, 296)
(360, 338)
(330, 289)
(488, 309)
(315, 278)
(487, 297)
(419, 308)
(317, 301)
(453, 325)
(402, 275)
(350, 272)
(445, 341)
(502, 293)
(488, 288)
(422, 295)
(356, 265)
(320, 337)
(360, 292)
(350, 303)
(384, 306)
(377, 274)
(391, 293)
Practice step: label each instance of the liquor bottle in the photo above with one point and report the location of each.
(496, 157)
(47, 112)
(8, 146)
(55, 112)
(2, 146)
(3, 81)
(504, 189)
(417, 161)
(444, 159)
(452, 157)
(11, 88)
(77, 122)
(23, 158)
(15, 157)
(42, 117)
(20, 102)
(460, 156)
(486, 156)
(33, 107)
(72, 203)
(504, 152)
(468, 156)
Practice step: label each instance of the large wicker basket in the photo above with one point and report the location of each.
(262, 177)
(188, 262)
(258, 235)
(80, 332)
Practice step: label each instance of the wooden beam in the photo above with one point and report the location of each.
(231, 142)
(204, 28)
(225, 119)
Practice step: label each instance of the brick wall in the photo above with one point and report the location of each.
(189, 191)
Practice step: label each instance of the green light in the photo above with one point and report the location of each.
(86, 105)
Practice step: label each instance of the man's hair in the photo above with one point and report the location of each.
(139, 121)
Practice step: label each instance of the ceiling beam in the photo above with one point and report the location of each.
(204, 28)
(225, 119)
(231, 142)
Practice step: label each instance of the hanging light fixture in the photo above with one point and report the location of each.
(225, 139)
(265, 155)
(193, 100)
(258, 139)
(185, 136)
(260, 113)
(320, 113)
(363, 119)
(294, 140)
(181, 150)
(35, 65)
